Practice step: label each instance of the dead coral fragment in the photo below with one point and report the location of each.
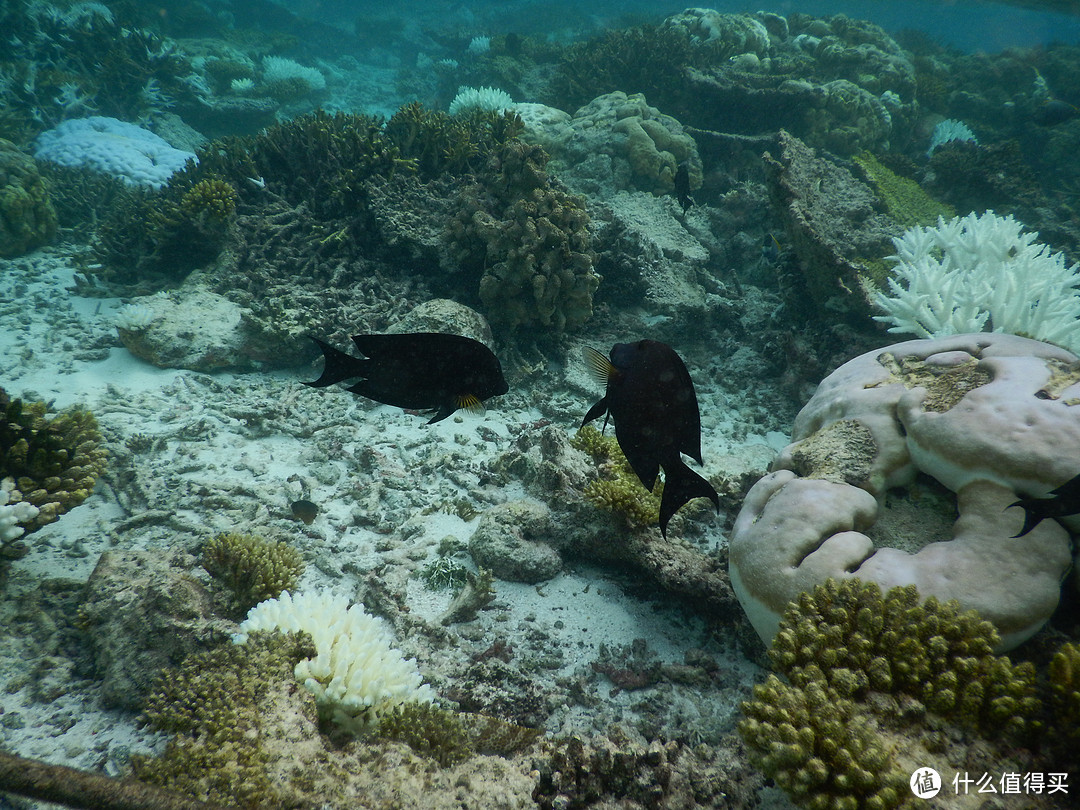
(253, 569)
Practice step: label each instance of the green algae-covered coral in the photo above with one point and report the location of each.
(27, 217)
(904, 199)
(54, 459)
(618, 488)
(253, 569)
(867, 674)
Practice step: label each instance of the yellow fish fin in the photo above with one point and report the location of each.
(600, 367)
(470, 403)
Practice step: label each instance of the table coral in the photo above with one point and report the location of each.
(991, 417)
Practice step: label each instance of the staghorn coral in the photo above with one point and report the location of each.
(251, 568)
(866, 674)
(54, 461)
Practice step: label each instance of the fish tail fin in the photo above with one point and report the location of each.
(1031, 517)
(337, 366)
(682, 485)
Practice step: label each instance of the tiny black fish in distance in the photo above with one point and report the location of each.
(1063, 501)
(650, 398)
(682, 187)
(421, 371)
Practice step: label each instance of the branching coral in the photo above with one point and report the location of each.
(822, 738)
(252, 568)
(618, 488)
(54, 460)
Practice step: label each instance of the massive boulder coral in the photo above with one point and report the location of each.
(992, 417)
(529, 240)
(621, 137)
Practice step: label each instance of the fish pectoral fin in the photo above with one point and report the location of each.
(600, 368)
(472, 404)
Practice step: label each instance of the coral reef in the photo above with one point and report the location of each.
(617, 488)
(141, 612)
(218, 706)
(250, 568)
(952, 409)
(530, 243)
(832, 222)
(355, 674)
(54, 460)
(822, 739)
(27, 217)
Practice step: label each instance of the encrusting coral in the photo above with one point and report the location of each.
(251, 568)
(54, 460)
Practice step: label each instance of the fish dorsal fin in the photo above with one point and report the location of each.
(472, 404)
(600, 367)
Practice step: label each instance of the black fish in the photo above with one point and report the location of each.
(304, 510)
(1065, 500)
(650, 398)
(682, 187)
(1054, 112)
(421, 371)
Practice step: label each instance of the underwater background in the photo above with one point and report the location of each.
(856, 225)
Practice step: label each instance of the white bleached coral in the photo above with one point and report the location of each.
(356, 675)
(280, 69)
(482, 98)
(12, 514)
(134, 317)
(131, 153)
(980, 273)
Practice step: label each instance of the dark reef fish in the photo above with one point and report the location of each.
(1065, 500)
(650, 398)
(421, 371)
(682, 187)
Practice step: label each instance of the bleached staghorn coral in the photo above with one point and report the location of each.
(356, 675)
(483, 98)
(980, 273)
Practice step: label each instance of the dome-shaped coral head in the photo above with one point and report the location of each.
(650, 398)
